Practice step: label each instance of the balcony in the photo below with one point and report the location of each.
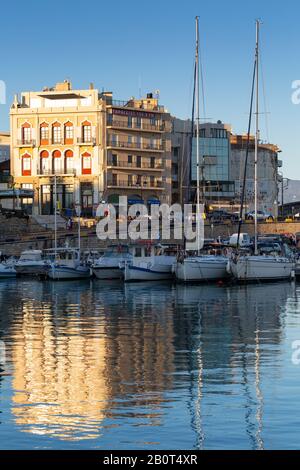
(133, 104)
(133, 165)
(146, 147)
(26, 143)
(85, 141)
(58, 172)
(127, 184)
(114, 124)
(57, 141)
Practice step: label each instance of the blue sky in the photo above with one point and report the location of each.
(127, 45)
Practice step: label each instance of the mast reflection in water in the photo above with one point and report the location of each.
(96, 365)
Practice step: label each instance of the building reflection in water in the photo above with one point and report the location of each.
(87, 356)
(59, 381)
(80, 356)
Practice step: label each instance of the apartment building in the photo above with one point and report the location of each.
(89, 147)
(216, 184)
(181, 156)
(138, 150)
(267, 171)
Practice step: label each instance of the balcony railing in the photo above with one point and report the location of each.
(135, 126)
(6, 178)
(85, 141)
(56, 172)
(136, 145)
(133, 104)
(123, 183)
(143, 165)
(26, 143)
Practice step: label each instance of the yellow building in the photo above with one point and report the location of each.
(96, 147)
(138, 149)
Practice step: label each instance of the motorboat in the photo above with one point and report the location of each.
(7, 271)
(32, 263)
(66, 265)
(108, 265)
(150, 263)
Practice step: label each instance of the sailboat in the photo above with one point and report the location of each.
(66, 262)
(201, 267)
(258, 267)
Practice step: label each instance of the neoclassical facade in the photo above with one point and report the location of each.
(90, 147)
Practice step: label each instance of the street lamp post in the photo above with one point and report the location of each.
(282, 192)
(78, 213)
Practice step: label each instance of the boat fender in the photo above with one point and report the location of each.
(228, 267)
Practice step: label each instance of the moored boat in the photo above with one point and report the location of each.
(261, 268)
(150, 263)
(32, 263)
(66, 265)
(201, 268)
(260, 265)
(7, 271)
(108, 265)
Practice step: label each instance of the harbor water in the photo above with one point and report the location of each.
(102, 365)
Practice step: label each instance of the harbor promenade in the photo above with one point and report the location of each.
(17, 235)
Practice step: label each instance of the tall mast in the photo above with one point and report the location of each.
(55, 216)
(256, 135)
(197, 133)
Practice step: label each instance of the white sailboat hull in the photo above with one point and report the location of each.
(260, 268)
(202, 268)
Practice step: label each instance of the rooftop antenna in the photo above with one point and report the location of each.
(140, 86)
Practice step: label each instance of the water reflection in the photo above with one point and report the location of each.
(88, 357)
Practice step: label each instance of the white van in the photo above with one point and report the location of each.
(245, 239)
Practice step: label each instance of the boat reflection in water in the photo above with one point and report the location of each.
(141, 366)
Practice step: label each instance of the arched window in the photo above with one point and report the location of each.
(26, 164)
(56, 133)
(69, 162)
(69, 133)
(44, 133)
(58, 164)
(86, 163)
(45, 166)
(26, 133)
(86, 132)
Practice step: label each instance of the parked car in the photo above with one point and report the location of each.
(261, 215)
(220, 215)
(19, 213)
(244, 240)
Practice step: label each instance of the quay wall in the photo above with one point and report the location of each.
(17, 236)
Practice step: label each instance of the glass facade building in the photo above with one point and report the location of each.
(214, 156)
